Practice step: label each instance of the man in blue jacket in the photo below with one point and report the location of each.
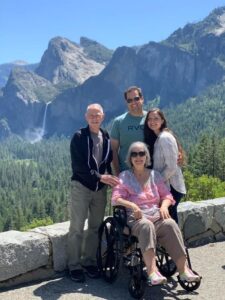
(91, 156)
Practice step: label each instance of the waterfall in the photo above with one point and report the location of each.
(44, 119)
(34, 135)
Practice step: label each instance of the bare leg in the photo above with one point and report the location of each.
(149, 259)
(181, 264)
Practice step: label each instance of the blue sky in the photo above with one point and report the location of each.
(26, 26)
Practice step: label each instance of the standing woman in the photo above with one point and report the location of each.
(165, 149)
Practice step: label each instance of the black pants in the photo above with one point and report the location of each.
(173, 208)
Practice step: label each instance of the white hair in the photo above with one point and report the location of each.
(95, 105)
(145, 148)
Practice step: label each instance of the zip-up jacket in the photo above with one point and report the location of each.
(84, 165)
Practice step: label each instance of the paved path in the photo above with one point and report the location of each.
(208, 260)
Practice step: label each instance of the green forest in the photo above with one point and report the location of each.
(35, 179)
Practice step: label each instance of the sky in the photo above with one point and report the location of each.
(26, 26)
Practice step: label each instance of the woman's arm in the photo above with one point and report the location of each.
(128, 204)
(169, 149)
(164, 209)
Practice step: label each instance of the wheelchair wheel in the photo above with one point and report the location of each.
(189, 286)
(165, 264)
(109, 250)
(136, 285)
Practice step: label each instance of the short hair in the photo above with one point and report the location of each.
(133, 88)
(95, 105)
(132, 146)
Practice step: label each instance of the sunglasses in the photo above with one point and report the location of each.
(135, 99)
(135, 154)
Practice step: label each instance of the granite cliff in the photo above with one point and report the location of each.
(72, 75)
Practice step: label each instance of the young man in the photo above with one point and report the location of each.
(91, 156)
(127, 128)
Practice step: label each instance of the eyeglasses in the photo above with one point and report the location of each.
(93, 116)
(135, 99)
(135, 154)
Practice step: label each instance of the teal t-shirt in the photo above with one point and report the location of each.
(127, 129)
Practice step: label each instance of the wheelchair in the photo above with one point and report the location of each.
(117, 245)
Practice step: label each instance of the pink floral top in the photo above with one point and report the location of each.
(148, 198)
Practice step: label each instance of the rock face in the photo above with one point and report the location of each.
(24, 98)
(96, 51)
(28, 87)
(5, 70)
(182, 66)
(66, 62)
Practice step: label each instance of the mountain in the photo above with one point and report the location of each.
(165, 70)
(67, 62)
(5, 70)
(24, 98)
(96, 51)
(185, 65)
(64, 64)
(194, 37)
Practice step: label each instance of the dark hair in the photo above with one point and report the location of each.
(133, 88)
(150, 137)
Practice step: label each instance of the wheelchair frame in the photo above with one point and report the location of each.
(116, 246)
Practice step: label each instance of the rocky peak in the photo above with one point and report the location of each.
(27, 86)
(5, 69)
(219, 17)
(66, 62)
(192, 35)
(95, 50)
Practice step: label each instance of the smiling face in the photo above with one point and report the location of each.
(134, 103)
(94, 117)
(155, 121)
(138, 157)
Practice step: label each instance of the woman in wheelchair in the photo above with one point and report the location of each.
(147, 199)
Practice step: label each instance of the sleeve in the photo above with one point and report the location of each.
(169, 150)
(163, 190)
(110, 156)
(115, 132)
(79, 160)
(121, 190)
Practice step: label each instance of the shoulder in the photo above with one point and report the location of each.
(156, 176)
(124, 175)
(120, 118)
(79, 134)
(104, 133)
(166, 136)
(118, 123)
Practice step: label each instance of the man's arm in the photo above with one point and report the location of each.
(115, 161)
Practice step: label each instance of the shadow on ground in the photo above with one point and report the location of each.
(100, 289)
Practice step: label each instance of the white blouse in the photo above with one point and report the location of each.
(165, 161)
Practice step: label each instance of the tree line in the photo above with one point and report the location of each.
(35, 179)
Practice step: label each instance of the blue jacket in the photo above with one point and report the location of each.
(84, 166)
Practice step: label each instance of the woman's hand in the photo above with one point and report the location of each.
(164, 212)
(137, 212)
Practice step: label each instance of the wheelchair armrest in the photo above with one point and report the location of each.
(120, 214)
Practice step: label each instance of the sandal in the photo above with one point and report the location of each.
(156, 278)
(189, 276)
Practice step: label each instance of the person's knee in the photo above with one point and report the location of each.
(146, 226)
(170, 224)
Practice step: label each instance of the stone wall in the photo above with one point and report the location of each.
(41, 253)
